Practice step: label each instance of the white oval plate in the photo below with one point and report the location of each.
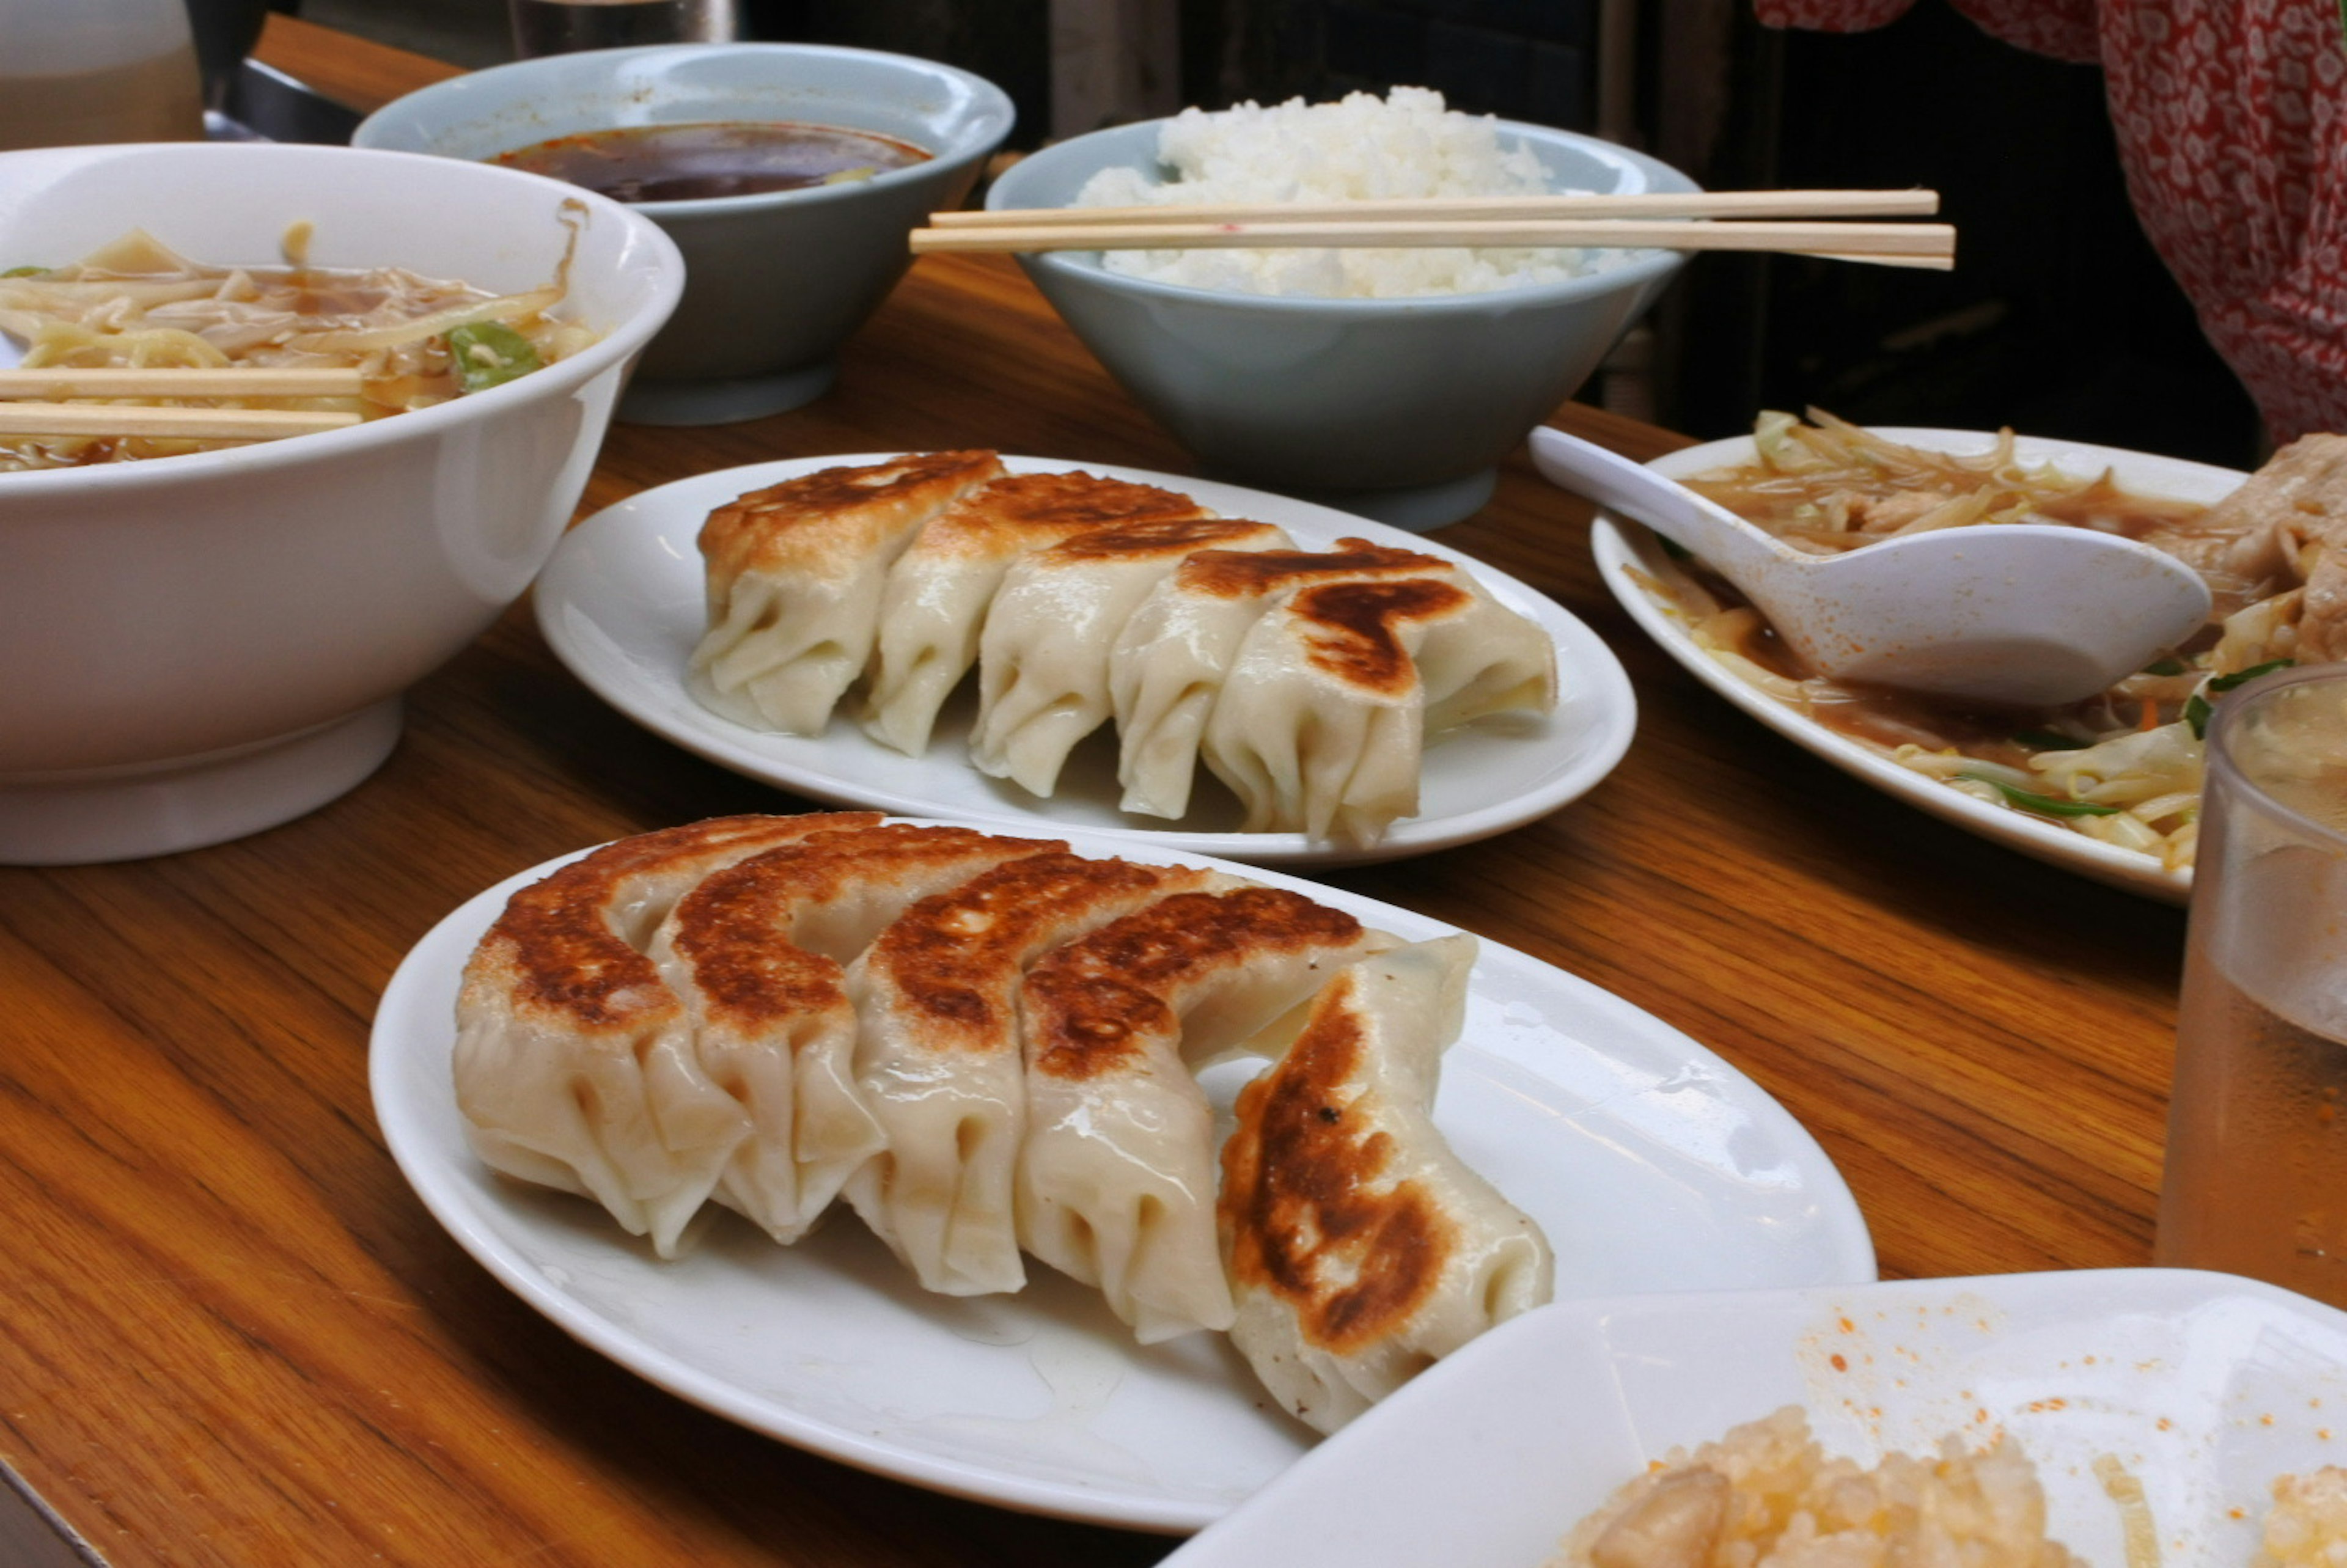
(1651, 1163)
(2205, 1387)
(622, 605)
(1625, 548)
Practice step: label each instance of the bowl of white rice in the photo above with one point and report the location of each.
(1388, 382)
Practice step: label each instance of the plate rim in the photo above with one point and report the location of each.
(436, 1183)
(1619, 544)
(1590, 673)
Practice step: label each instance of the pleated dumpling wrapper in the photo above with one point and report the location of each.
(1360, 1249)
(935, 598)
(1321, 726)
(757, 952)
(1042, 658)
(1171, 657)
(574, 1064)
(938, 1055)
(1116, 1178)
(794, 575)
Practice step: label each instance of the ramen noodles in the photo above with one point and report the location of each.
(138, 304)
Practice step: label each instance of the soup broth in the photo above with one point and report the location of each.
(695, 162)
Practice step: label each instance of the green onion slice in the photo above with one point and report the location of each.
(2243, 677)
(489, 353)
(2044, 805)
(2196, 709)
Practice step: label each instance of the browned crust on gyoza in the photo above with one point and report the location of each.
(948, 956)
(1352, 630)
(1091, 1003)
(853, 508)
(555, 952)
(747, 970)
(1174, 537)
(1053, 506)
(1307, 1209)
(1251, 574)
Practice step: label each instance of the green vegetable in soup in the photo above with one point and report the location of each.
(2044, 805)
(2243, 677)
(489, 353)
(2196, 709)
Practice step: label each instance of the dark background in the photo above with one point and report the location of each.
(2059, 319)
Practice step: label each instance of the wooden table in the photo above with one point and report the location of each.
(230, 1335)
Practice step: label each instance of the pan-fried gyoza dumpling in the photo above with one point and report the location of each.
(1322, 721)
(756, 954)
(937, 593)
(1116, 1179)
(1484, 659)
(938, 1055)
(1042, 664)
(574, 1066)
(795, 577)
(1360, 1249)
(1170, 660)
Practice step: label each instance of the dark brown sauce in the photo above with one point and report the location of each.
(695, 162)
(1888, 716)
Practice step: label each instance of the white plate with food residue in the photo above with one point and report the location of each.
(1639, 570)
(2201, 1388)
(1651, 1163)
(622, 604)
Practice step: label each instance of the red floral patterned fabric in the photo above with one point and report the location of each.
(2231, 117)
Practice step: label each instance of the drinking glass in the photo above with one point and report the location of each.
(95, 71)
(563, 26)
(2256, 1180)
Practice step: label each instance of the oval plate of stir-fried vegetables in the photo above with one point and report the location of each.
(2110, 786)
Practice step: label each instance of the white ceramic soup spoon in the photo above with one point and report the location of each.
(2019, 615)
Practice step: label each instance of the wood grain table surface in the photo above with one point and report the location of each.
(230, 1335)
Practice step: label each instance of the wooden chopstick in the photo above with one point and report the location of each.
(1931, 240)
(178, 382)
(1478, 209)
(1945, 263)
(193, 423)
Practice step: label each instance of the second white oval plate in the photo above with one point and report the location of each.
(1652, 1164)
(621, 603)
(2202, 1387)
(1626, 550)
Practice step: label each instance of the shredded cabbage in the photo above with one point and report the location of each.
(1826, 485)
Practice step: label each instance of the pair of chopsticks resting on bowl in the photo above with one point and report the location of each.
(1783, 220)
(197, 422)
